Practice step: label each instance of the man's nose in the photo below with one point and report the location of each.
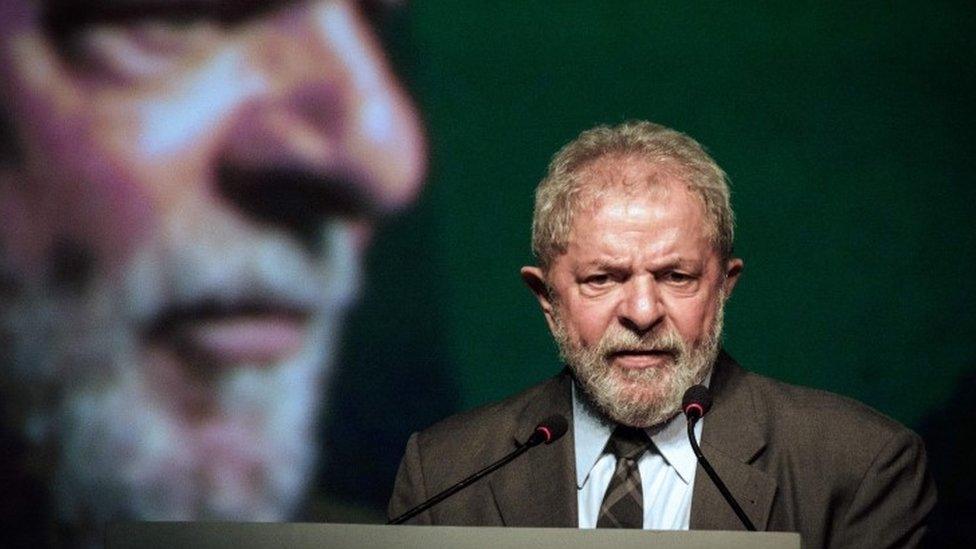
(640, 308)
(331, 133)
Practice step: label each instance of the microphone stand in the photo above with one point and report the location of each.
(692, 419)
(461, 485)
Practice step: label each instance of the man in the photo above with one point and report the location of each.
(187, 189)
(633, 233)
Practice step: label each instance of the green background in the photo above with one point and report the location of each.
(846, 129)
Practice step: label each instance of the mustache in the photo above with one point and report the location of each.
(618, 340)
(246, 274)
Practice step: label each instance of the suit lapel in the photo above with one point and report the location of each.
(732, 438)
(539, 488)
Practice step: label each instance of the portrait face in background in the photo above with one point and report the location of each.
(186, 193)
(635, 302)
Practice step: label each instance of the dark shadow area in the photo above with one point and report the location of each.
(24, 504)
(950, 439)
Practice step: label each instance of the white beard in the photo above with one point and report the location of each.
(639, 398)
(117, 447)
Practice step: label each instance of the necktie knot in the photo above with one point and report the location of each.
(628, 442)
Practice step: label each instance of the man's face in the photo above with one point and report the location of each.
(184, 230)
(636, 301)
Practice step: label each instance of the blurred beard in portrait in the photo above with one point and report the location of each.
(187, 385)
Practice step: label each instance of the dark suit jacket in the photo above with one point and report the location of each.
(796, 459)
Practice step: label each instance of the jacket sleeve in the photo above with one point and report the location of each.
(894, 499)
(409, 489)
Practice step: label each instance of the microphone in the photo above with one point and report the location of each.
(695, 404)
(547, 431)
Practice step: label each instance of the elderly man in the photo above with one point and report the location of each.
(633, 236)
(186, 190)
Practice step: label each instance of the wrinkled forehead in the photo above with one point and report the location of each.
(629, 176)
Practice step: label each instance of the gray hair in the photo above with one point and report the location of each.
(559, 194)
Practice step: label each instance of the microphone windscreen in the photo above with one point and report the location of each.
(554, 426)
(697, 401)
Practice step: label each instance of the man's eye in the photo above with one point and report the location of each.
(598, 280)
(675, 277)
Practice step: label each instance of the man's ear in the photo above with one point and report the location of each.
(535, 279)
(733, 268)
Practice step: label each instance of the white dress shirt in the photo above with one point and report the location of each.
(667, 469)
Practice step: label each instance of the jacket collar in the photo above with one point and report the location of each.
(538, 489)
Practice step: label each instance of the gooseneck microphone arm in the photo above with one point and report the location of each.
(547, 432)
(459, 486)
(714, 476)
(695, 404)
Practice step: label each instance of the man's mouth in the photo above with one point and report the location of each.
(639, 359)
(225, 335)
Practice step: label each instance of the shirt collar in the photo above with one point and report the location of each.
(591, 431)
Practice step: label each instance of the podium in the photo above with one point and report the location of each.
(230, 535)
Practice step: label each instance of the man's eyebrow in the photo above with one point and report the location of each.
(681, 263)
(62, 17)
(604, 264)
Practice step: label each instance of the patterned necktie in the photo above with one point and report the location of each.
(623, 504)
